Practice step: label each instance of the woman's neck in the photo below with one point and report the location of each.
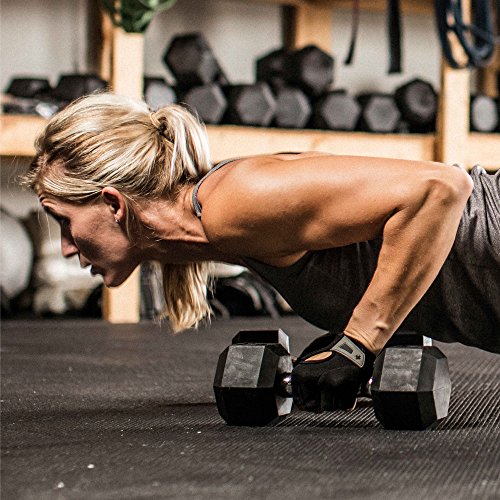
(174, 234)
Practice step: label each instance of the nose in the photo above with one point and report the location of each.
(68, 247)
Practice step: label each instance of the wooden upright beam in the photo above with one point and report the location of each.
(308, 23)
(123, 62)
(453, 115)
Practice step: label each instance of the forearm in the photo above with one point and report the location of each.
(416, 241)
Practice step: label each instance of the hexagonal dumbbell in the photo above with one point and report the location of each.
(208, 101)
(418, 102)
(252, 105)
(379, 113)
(293, 108)
(484, 113)
(157, 92)
(252, 381)
(411, 387)
(310, 69)
(270, 68)
(336, 110)
(192, 62)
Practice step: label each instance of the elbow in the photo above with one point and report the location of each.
(450, 186)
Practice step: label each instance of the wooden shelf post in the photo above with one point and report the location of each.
(123, 54)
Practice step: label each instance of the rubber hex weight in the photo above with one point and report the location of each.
(72, 86)
(192, 62)
(28, 87)
(483, 113)
(157, 93)
(251, 382)
(252, 105)
(292, 108)
(208, 101)
(336, 110)
(310, 69)
(270, 68)
(418, 102)
(379, 113)
(411, 387)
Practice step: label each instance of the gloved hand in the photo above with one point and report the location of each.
(329, 372)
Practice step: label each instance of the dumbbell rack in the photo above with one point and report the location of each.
(305, 22)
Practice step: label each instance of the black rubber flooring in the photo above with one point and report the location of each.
(95, 411)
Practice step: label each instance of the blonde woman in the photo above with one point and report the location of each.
(358, 246)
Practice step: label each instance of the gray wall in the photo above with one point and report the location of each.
(49, 37)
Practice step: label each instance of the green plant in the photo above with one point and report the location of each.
(134, 16)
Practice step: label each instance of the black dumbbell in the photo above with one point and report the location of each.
(157, 92)
(252, 382)
(72, 86)
(28, 87)
(250, 104)
(207, 101)
(270, 68)
(310, 69)
(293, 108)
(192, 62)
(336, 110)
(418, 103)
(484, 114)
(379, 113)
(410, 386)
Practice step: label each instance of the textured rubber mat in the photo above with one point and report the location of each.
(94, 411)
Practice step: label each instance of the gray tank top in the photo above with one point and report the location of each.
(462, 305)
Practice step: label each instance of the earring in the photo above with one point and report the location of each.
(116, 220)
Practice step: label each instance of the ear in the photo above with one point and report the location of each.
(114, 201)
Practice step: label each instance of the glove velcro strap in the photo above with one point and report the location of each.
(347, 348)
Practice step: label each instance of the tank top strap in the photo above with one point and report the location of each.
(196, 203)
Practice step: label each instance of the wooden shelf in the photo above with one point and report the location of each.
(18, 133)
(484, 149)
(228, 141)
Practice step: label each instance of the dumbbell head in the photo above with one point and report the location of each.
(417, 100)
(208, 102)
(157, 93)
(270, 68)
(379, 113)
(483, 113)
(292, 108)
(73, 86)
(192, 62)
(28, 87)
(411, 387)
(252, 384)
(310, 69)
(336, 110)
(252, 105)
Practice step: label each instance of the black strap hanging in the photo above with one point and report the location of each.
(394, 30)
(477, 38)
(354, 32)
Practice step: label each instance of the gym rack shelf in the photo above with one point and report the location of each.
(304, 22)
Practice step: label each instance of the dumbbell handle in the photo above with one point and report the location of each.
(283, 385)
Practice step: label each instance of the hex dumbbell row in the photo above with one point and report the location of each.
(410, 387)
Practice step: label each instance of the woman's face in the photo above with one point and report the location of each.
(91, 232)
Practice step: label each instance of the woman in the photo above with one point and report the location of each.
(356, 245)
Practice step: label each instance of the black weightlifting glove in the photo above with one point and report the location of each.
(329, 373)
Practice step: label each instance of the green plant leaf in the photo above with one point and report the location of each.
(134, 16)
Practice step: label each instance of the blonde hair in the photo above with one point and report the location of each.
(109, 140)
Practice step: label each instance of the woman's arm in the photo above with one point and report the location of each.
(274, 208)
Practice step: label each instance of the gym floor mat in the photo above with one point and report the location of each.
(98, 411)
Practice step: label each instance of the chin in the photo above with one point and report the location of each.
(114, 281)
